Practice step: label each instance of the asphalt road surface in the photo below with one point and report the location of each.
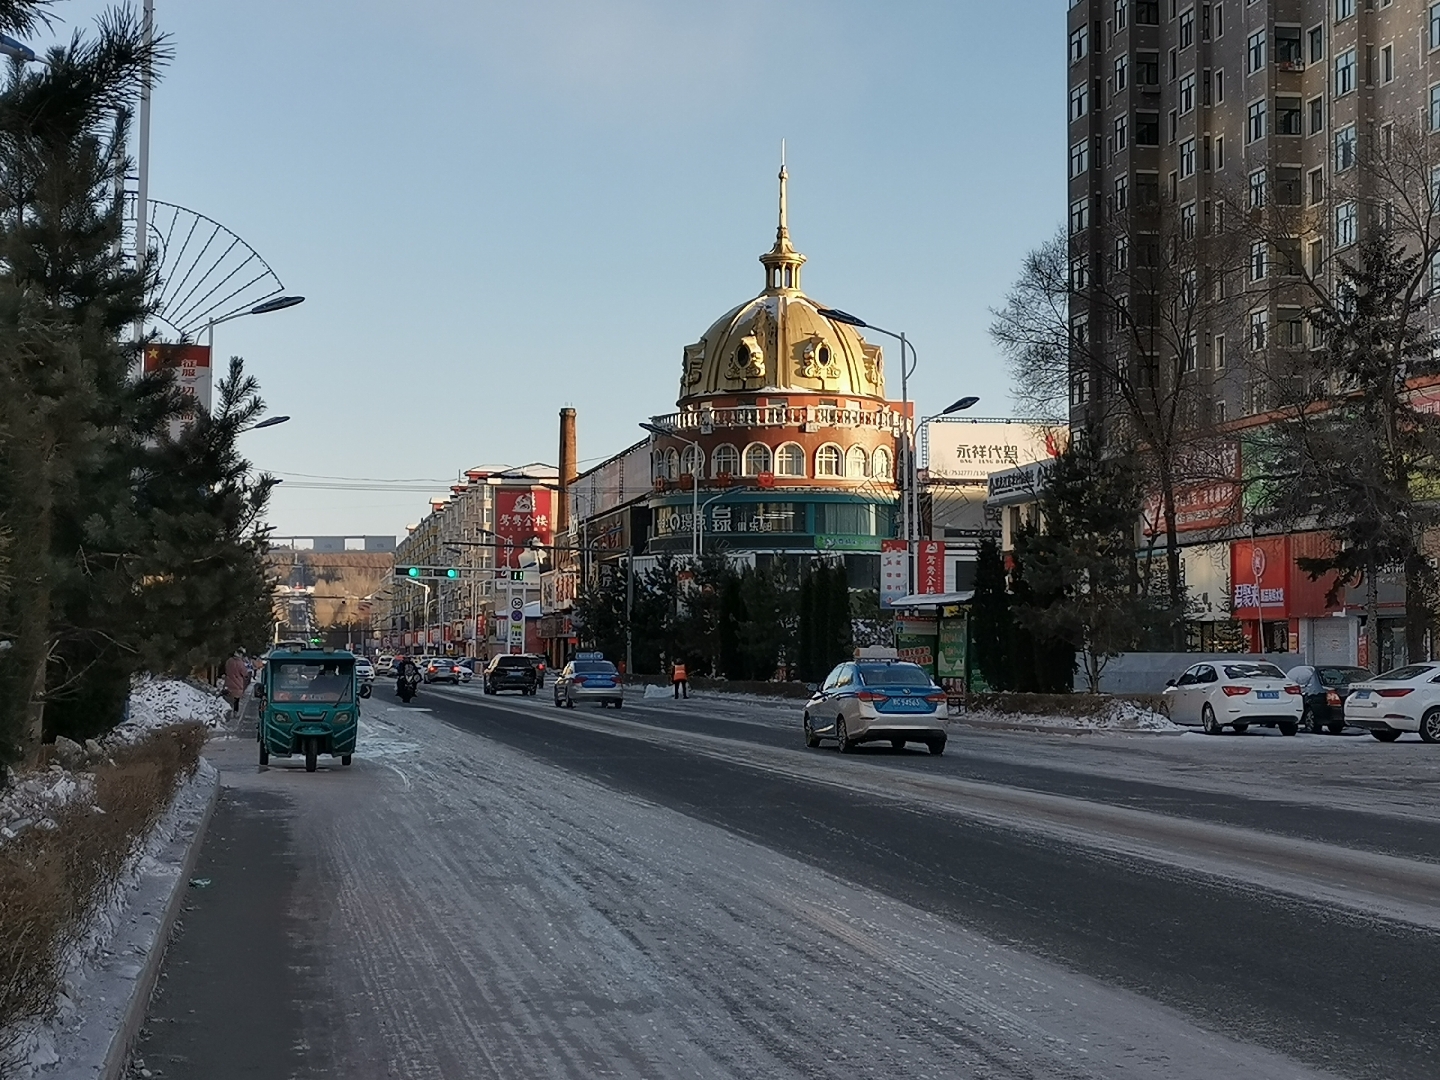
(501, 888)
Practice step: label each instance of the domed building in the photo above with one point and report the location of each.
(783, 439)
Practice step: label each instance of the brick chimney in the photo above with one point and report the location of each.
(567, 468)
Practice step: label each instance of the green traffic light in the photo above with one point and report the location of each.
(414, 571)
(452, 573)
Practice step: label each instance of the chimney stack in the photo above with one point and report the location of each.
(567, 468)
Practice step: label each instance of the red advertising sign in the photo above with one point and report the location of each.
(1259, 570)
(521, 515)
(191, 365)
(930, 567)
(1207, 496)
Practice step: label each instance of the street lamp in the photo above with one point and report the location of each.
(907, 463)
(271, 422)
(278, 303)
(669, 433)
(706, 506)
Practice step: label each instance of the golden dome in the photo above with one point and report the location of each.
(781, 341)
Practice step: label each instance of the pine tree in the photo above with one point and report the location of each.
(993, 627)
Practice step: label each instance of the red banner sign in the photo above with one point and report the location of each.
(521, 515)
(930, 567)
(1259, 573)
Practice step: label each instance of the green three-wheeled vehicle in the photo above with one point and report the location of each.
(309, 704)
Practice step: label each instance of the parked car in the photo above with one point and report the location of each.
(385, 664)
(1405, 699)
(511, 672)
(589, 677)
(1323, 689)
(540, 663)
(877, 700)
(467, 668)
(440, 669)
(1237, 693)
(364, 670)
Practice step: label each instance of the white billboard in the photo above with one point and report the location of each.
(957, 449)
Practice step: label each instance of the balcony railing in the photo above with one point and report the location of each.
(760, 416)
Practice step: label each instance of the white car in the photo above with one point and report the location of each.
(385, 664)
(1406, 699)
(1235, 693)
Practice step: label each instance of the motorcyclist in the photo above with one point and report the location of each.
(406, 671)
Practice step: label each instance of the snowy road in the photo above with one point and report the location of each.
(499, 888)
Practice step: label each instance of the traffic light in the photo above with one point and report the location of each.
(413, 571)
(451, 572)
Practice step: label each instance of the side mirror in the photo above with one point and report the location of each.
(1169, 682)
(364, 689)
(812, 687)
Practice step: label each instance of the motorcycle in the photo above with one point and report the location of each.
(407, 686)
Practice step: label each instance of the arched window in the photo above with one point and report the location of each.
(882, 465)
(672, 465)
(828, 461)
(824, 355)
(857, 463)
(657, 463)
(725, 459)
(692, 461)
(757, 459)
(790, 460)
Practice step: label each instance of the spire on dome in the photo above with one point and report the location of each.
(782, 262)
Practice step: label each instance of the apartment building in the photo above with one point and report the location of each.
(1271, 105)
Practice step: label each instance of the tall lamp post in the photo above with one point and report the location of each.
(669, 433)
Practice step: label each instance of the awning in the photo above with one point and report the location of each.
(934, 599)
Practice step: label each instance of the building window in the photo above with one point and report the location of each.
(692, 461)
(1080, 273)
(1435, 26)
(1345, 222)
(1255, 129)
(1257, 189)
(1317, 44)
(1217, 352)
(828, 461)
(1187, 158)
(1187, 28)
(857, 463)
(1345, 149)
(1317, 115)
(1147, 189)
(1079, 42)
(1079, 158)
(1219, 152)
(1317, 257)
(1288, 116)
(1287, 48)
(1079, 215)
(725, 461)
(672, 465)
(1187, 221)
(757, 459)
(1255, 47)
(1147, 68)
(1187, 93)
(1344, 9)
(1219, 410)
(1257, 330)
(1219, 84)
(1122, 193)
(1317, 186)
(1345, 73)
(1188, 358)
(1121, 8)
(1079, 101)
(1122, 253)
(1147, 129)
(1288, 185)
(882, 465)
(1122, 134)
(1257, 261)
(1435, 107)
(790, 460)
(1122, 73)
(1387, 64)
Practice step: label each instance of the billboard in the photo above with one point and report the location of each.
(930, 567)
(191, 367)
(894, 571)
(973, 449)
(521, 514)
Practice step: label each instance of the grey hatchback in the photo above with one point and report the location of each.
(871, 700)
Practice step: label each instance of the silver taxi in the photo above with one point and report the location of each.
(589, 677)
(874, 699)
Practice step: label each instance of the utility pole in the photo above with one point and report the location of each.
(142, 184)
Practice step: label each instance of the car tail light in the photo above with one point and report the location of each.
(870, 695)
(1292, 689)
(1398, 691)
(578, 680)
(1332, 698)
(936, 699)
(1235, 691)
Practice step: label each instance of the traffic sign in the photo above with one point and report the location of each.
(517, 616)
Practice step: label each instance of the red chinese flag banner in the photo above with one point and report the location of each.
(930, 567)
(521, 515)
(191, 367)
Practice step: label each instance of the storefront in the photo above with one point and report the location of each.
(1280, 607)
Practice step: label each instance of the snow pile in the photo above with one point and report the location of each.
(36, 799)
(658, 691)
(1116, 715)
(157, 703)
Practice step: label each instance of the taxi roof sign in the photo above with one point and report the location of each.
(589, 656)
(876, 652)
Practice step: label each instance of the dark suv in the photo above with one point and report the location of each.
(511, 673)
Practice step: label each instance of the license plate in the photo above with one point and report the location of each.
(1267, 695)
(911, 704)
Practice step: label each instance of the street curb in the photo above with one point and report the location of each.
(132, 1016)
(1044, 729)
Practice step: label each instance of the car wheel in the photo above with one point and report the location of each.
(1240, 729)
(1387, 735)
(1311, 720)
(345, 759)
(557, 701)
(1336, 728)
(897, 744)
(842, 736)
(811, 739)
(937, 746)
(1288, 727)
(1208, 721)
(619, 702)
(1430, 726)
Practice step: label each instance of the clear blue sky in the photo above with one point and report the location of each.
(499, 208)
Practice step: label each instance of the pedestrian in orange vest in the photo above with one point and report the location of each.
(679, 679)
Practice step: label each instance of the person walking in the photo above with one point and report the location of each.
(679, 679)
(237, 674)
